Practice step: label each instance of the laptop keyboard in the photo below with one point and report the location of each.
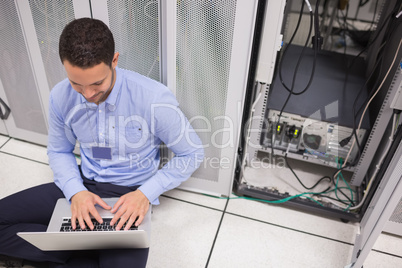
(105, 226)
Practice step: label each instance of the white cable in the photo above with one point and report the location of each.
(333, 202)
(391, 139)
(357, 132)
(308, 5)
(377, 167)
(368, 103)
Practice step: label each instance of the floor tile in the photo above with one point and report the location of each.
(3, 139)
(294, 219)
(197, 198)
(17, 174)
(26, 149)
(182, 234)
(389, 243)
(376, 260)
(248, 243)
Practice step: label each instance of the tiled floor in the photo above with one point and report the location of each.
(194, 230)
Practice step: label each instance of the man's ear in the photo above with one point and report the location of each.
(115, 60)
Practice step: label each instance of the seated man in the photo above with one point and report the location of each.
(120, 119)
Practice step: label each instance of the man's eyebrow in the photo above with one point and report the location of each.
(98, 82)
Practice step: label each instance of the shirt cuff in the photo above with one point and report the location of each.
(72, 187)
(152, 190)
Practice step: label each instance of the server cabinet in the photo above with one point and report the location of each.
(267, 155)
(287, 135)
(31, 65)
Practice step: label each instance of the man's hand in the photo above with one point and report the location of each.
(82, 205)
(128, 208)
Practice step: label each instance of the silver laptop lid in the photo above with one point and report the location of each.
(52, 239)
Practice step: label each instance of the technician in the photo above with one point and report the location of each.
(120, 118)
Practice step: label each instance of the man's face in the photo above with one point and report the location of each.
(94, 83)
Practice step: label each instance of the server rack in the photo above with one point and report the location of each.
(274, 181)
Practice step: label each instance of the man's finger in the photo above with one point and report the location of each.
(130, 222)
(87, 220)
(81, 222)
(140, 218)
(96, 215)
(117, 205)
(116, 217)
(102, 203)
(73, 220)
(123, 220)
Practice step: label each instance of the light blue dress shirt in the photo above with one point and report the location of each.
(137, 116)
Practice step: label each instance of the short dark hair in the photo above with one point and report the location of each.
(86, 42)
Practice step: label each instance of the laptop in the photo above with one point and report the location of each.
(60, 237)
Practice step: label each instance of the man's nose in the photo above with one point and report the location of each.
(87, 92)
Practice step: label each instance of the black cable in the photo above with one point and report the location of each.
(372, 41)
(346, 140)
(300, 56)
(316, 45)
(295, 72)
(355, 114)
(379, 60)
(297, 69)
(331, 180)
(361, 4)
(301, 183)
(374, 88)
(317, 42)
(317, 39)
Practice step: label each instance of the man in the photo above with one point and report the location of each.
(119, 118)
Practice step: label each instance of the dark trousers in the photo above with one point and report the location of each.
(30, 211)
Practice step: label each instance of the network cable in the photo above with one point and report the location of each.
(391, 139)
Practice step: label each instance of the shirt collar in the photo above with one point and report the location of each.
(112, 98)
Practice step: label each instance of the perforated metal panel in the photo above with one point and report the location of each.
(394, 224)
(204, 44)
(397, 215)
(49, 18)
(16, 74)
(135, 27)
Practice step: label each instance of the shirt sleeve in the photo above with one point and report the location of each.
(174, 129)
(61, 143)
